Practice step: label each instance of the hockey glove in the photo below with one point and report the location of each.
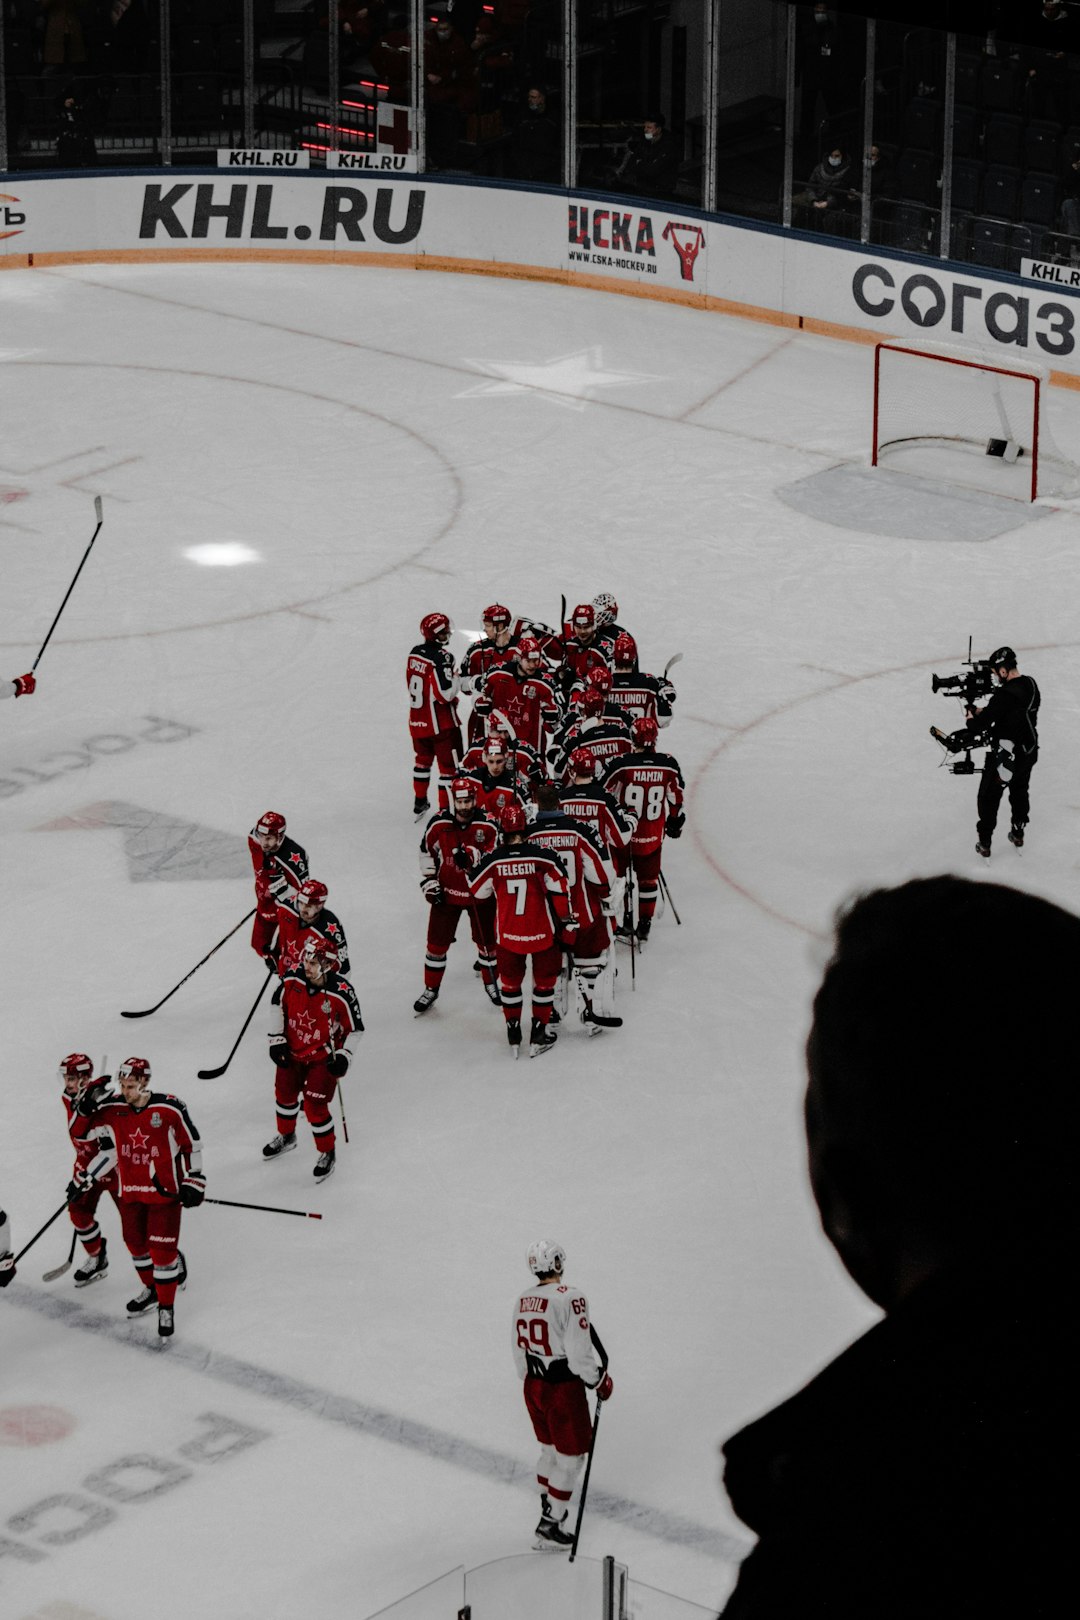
(675, 823)
(7, 1268)
(604, 1388)
(93, 1097)
(338, 1064)
(432, 892)
(78, 1186)
(192, 1189)
(463, 858)
(279, 1053)
(24, 684)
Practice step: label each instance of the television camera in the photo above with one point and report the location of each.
(977, 680)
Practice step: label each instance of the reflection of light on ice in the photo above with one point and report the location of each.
(221, 554)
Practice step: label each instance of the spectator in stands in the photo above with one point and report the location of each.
(1070, 205)
(924, 1472)
(63, 46)
(450, 79)
(651, 165)
(360, 23)
(533, 148)
(882, 184)
(826, 190)
(821, 68)
(75, 147)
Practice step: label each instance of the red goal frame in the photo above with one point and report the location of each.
(1015, 372)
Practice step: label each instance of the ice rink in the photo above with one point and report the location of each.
(296, 464)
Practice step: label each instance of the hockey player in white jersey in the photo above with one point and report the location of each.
(558, 1355)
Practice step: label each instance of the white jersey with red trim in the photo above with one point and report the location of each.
(550, 1334)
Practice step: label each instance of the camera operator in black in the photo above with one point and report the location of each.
(1010, 719)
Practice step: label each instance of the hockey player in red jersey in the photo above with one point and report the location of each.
(280, 868)
(592, 882)
(149, 1139)
(536, 715)
(558, 1356)
(584, 647)
(433, 710)
(496, 780)
(599, 727)
(651, 786)
(533, 920)
(585, 800)
(301, 915)
(495, 650)
(454, 842)
(636, 695)
(82, 1095)
(317, 1013)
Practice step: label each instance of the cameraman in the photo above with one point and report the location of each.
(1009, 720)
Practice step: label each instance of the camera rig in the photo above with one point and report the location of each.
(977, 682)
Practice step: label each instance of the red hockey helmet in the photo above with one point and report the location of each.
(529, 647)
(136, 1068)
(462, 788)
(593, 701)
(313, 892)
(625, 648)
(435, 627)
(495, 748)
(645, 731)
(600, 677)
(320, 950)
(512, 819)
(273, 822)
(606, 608)
(496, 614)
(583, 762)
(584, 617)
(76, 1067)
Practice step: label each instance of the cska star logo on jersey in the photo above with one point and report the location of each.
(295, 859)
(307, 1028)
(139, 1139)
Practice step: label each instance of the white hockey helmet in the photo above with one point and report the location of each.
(546, 1256)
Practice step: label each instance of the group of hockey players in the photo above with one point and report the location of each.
(554, 806)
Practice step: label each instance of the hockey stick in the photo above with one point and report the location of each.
(71, 587)
(266, 1209)
(585, 1481)
(213, 1074)
(672, 661)
(58, 1271)
(670, 901)
(598, 1018)
(628, 924)
(341, 1102)
(40, 1232)
(145, 1013)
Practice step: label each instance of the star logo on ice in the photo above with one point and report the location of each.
(569, 379)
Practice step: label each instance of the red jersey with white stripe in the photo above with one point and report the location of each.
(528, 705)
(529, 884)
(596, 807)
(433, 686)
(317, 1019)
(650, 785)
(288, 861)
(443, 837)
(293, 931)
(588, 871)
(86, 1146)
(150, 1148)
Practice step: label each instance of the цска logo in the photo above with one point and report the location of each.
(627, 241)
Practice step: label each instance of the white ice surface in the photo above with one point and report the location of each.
(384, 444)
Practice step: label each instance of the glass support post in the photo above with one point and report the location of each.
(333, 72)
(248, 74)
(165, 70)
(789, 121)
(869, 80)
(947, 146)
(570, 38)
(711, 103)
(419, 107)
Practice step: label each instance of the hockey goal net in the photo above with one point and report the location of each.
(972, 420)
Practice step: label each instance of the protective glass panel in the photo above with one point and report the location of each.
(750, 107)
(631, 97)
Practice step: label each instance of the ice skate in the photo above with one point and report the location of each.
(324, 1166)
(644, 929)
(983, 850)
(425, 1000)
(513, 1035)
(165, 1321)
(142, 1301)
(419, 808)
(552, 1535)
(492, 993)
(540, 1040)
(1016, 836)
(96, 1267)
(278, 1145)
